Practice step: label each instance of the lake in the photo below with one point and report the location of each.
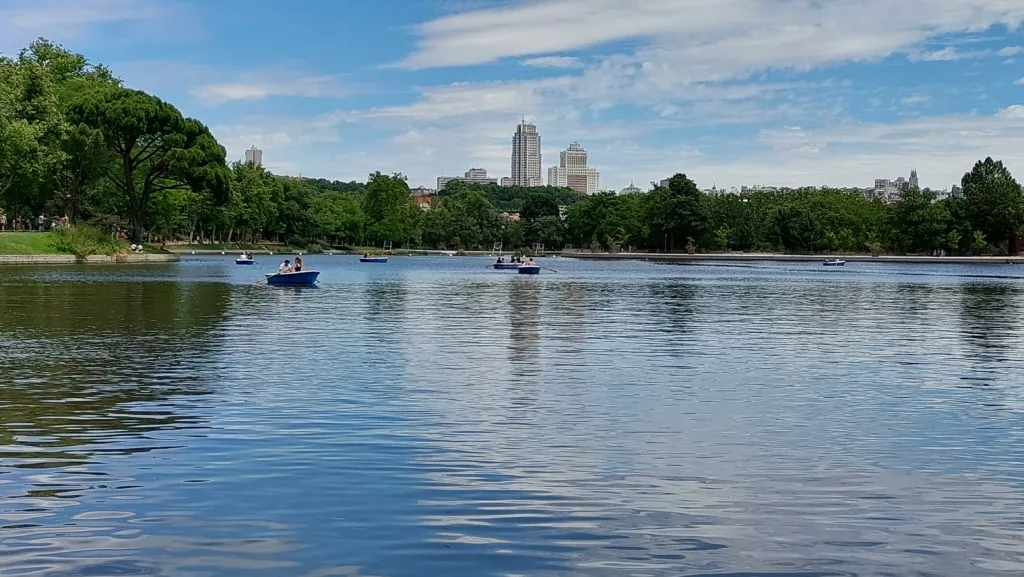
(432, 417)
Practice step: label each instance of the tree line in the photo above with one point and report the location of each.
(75, 141)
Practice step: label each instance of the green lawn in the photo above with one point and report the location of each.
(26, 243)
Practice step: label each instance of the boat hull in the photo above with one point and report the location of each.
(302, 278)
(244, 261)
(529, 269)
(372, 259)
(839, 263)
(505, 266)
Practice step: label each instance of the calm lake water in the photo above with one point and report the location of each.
(430, 417)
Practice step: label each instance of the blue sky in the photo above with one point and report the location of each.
(733, 92)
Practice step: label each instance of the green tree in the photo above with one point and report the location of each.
(994, 201)
(386, 206)
(156, 147)
(919, 223)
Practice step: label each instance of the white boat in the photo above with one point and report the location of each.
(834, 262)
(448, 252)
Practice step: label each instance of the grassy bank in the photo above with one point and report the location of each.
(79, 241)
(22, 243)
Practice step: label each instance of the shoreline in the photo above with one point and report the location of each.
(60, 259)
(774, 257)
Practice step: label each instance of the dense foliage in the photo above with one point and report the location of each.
(74, 141)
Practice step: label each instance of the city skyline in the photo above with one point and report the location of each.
(726, 92)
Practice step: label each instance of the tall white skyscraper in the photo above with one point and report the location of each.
(254, 156)
(573, 171)
(526, 159)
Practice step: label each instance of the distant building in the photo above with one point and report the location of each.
(506, 181)
(526, 156)
(914, 183)
(254, 156)
(423, 201)
(573, 171)
(473, 175)
(631, 189)
(956, 192)
(423, 191)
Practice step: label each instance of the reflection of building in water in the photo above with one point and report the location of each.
(524, 304)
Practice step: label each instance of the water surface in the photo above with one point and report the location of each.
(433, 417)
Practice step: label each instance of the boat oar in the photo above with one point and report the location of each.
(546, 268)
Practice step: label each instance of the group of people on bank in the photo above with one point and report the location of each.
(20, 224)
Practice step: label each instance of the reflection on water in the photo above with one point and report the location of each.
(431, 417)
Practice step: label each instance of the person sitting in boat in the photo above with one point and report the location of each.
(501, 260)
(529, 262)
(298, 264)
(285, 267)
(367, 255)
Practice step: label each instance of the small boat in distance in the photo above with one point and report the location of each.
(505, 265)
(245, 258)
(529, 269)
(373, 258)
(301, 278)
(833, 262)
(448, 252)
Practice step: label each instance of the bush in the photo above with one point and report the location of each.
(83, 241)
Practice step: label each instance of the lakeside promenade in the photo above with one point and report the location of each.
(777, 257)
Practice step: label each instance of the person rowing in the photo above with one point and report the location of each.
(286, 267)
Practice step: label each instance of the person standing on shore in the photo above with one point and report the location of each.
(42, 222)
(3, 221)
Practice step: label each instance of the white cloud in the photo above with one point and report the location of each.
(1019, 81)
(552, 62)
(1010, 51)
(915, 99)
(839, 30)
(259, 89)
(22, 21)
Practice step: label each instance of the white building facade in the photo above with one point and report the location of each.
(573, 171)
(526, 156)
(473, 175)
(254, 156)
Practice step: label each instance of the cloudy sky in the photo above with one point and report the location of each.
(733, 92)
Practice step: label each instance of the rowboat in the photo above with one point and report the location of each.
(529, 269)
(373, 259)
(244, 261)
(505, 265)
(834, 262)
(304, 278)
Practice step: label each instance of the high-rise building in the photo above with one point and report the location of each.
(473, 175)
(913, 179)
(254, 156)
(506, 181)
(526, 157)
(573, 171)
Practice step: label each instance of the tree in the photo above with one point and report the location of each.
(386, 207)
(677, 212)
(919, 223)
(994, 201)
(157, 149)
(538, 204)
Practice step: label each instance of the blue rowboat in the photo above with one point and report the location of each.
(505, 266)
(244, 261)
(529, 269)
(303, 278)
(373, 259)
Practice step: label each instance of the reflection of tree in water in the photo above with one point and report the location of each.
(86, 366)
(674, 304)
(525, 330)
(989, 319)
